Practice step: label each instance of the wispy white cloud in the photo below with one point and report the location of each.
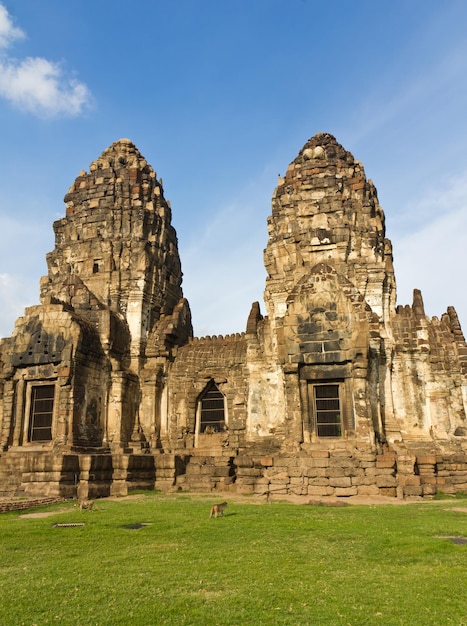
(20, 267)
(412, 96)
(35, 84)
(39, 86)
(8, 32)
(223, 271)
(431, 257)
(441, 200)
(16, 293)
(223, 265)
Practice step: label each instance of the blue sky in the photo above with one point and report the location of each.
(219, 97)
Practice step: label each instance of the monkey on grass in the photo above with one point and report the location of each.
(85, 504)
(218, 510)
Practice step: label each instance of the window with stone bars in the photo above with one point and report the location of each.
(327, 409)
(212, 410)
(40, 420)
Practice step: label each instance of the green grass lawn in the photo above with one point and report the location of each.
(260, 564)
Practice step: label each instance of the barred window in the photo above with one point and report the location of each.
(327, 409)
(40, 420)
(212, 410)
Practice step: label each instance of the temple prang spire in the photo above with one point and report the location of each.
(118, 242)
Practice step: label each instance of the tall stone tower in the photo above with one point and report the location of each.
(113, 286)
(330, 295)
(325, 211)
(116, 247)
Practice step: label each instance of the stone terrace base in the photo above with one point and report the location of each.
(314, 473)
(339, 473)
(50, 474)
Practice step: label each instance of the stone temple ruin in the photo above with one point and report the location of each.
(334, 392)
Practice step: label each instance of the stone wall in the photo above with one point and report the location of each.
(222, 360)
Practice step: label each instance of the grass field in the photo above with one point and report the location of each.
(261, 564)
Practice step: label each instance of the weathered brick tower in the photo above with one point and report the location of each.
(336, 392)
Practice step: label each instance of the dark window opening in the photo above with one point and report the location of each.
(212, 416)
(327, 410)
(95, 268)
(42, 404)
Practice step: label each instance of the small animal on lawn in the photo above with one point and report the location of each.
(85, 504)
(218, 509)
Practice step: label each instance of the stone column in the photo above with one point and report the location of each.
(19, 409)
(119, 486)
(114, 410)
(85, 461)
(293, 426)
(307, 429)
(6, 415)
(61, 412)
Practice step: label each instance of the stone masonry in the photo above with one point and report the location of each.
(333, 391)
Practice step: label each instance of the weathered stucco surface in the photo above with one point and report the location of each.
(333, 391)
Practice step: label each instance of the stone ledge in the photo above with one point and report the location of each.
(21, 505)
